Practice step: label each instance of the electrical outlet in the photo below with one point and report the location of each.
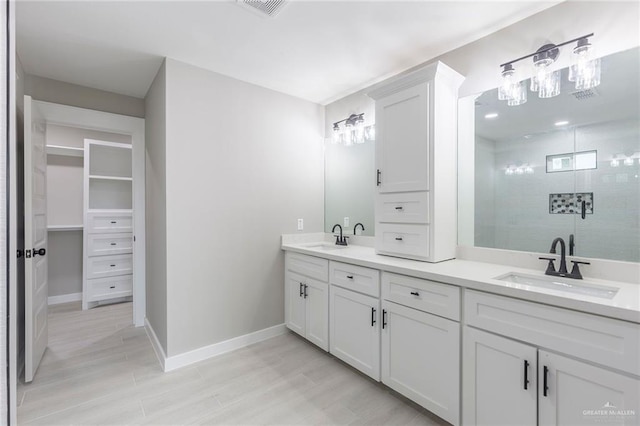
(300, 224)
(346, 221)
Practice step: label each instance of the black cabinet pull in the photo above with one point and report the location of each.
(378, 175)
(112, 265)
(415, 293)
(301, 290)
(398, 238)
(384, 318)
(584, 209)
(113, 244)
(545, 387)
(305, 291)
(350, 277)
(526, 374)
(373, 316)
(113, 222)
(399, 208)
(113, 286)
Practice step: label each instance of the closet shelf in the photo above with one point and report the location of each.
(64, 228)
(123, 178)
(68, 151)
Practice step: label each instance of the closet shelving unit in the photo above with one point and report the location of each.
(65, 151)
(108, 222)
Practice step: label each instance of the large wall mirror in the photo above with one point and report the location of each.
(556, 167)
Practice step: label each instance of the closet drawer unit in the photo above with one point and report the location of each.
(104, 244)
(407, 207)
(109, 266)
(312, 267)
(109, 288)
(409, 241)
(607, 341)
(428, 296)
(109, 222)
(357, 278)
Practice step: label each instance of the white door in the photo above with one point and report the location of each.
(420, 358)
(402, 143)
(35, 238)
(316, 294)
(354, 333)
(498, 380)
(294, 302)
(577, 393)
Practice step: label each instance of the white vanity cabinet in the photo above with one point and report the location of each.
(307, 297)
(354, 317)
(420, 350)
(416, 116)
(527, 382)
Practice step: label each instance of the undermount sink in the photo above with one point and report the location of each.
(325, 246)
(561, 284)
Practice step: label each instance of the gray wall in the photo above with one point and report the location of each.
(156, 206)
(45, 89)
(243, 164)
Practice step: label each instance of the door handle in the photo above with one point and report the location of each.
(545, 386)
(373, 316)
(384, 318)
(526, 374)
(39, 252)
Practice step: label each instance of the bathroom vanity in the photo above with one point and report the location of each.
(465, 341)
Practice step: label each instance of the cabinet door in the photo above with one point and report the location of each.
(294, 311)
(316, 294)
(402, 143)
(420, 358)
(354, 330)
(495, 391)
(577, 393)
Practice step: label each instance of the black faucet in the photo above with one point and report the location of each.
(340, 240)
(562, 271)
(355, 227)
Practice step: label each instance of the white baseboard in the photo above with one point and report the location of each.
(64, 298)
(206, 352)
(157, 347)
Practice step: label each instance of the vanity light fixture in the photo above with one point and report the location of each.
(353, 132)
(584, 71)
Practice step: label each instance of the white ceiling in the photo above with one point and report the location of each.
(316, 50)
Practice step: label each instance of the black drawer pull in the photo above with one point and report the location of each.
(114, 222)
(301, 294)
(415, 293)
(384, 318)
(113, 244)
(399, 208)
(350, 277)
(526, 374)
(398, 238)
(373, 316)
(113, 286)
(112, 265)
(305, 291)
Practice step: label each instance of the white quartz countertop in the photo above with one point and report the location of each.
(625, 305)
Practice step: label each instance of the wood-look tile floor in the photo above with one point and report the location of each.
(99, 369)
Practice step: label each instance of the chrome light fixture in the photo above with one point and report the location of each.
(584, 71)
(353, 132)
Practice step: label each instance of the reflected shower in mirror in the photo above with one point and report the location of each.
(560, 166)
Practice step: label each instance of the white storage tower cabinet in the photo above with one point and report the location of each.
(416, 139)
(108, 222)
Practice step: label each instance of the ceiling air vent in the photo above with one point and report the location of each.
(264, 8)
(582, 95)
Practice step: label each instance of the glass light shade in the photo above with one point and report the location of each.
(348, 135)
(588, 75)
(359, 132)
(628, 161)
(518, 94)
(549, 86)
(507, 84)
(335, 139)
(615, 163)
(370, 133)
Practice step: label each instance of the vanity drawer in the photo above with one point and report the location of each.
(109, 222)
(312, 267)
(406, 207)
(411, 241)
(109, 266)
(424, 295)
(103, 244)
(606, 341)
(357, 278)
(109, 288)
